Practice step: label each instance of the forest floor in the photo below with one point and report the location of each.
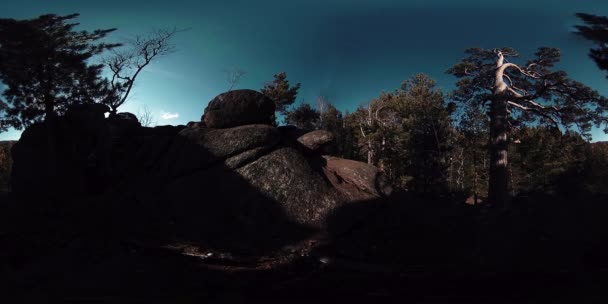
(412, 249)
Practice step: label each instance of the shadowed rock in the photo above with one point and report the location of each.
(237, 108)
(198, 147)
(232, 182)
(356, 180)
(286, 177)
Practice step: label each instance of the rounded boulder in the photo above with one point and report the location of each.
(238, 108)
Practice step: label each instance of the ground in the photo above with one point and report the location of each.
(411, 248)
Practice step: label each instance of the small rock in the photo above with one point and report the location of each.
(316, 139)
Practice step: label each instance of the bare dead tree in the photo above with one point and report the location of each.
(233, 76)
(145, 117)
(126, 64)
(322, 104)
(378, 115)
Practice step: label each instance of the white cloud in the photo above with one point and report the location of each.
(168, 115)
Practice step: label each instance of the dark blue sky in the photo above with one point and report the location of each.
(350, 50)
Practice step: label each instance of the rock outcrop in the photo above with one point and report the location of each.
(231, 180)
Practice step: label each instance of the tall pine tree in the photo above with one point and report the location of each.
(531, 93)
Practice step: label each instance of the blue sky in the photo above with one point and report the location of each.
(350, 50)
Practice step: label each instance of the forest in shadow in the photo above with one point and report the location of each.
(493, 192)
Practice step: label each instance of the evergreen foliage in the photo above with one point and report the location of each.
(281, 92)
(596, 30)
(44, 66)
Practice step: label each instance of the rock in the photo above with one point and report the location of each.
(246, 157)
(316, 139)
(123, 125)
(80, 113)
(238, 108)
(221, 184)
(356, 180)
(127, 116)
(286, 177)
(196, 148)
(223, 143)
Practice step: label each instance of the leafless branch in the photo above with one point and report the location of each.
(145, 117)
(234, 76)
(535, 110)
(126, 65)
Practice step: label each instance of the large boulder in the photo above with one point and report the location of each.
(264, 204)
(286, 177)
(237, 108)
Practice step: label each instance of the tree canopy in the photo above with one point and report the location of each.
(44, 65)
(596, 30)
(281, 92)
(304, 117)
(532, 93)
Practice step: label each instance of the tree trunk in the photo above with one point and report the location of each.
(498, 194)
(370, 153)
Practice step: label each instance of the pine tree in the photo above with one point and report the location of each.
(303, 117)
(43, 63)
(596, 30)
(533, 93)
(281, 92)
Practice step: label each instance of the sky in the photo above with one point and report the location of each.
(347, 50)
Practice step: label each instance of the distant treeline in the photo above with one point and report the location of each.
(424, 144)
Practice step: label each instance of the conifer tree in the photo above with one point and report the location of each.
(532, 93)
(44, 66)
(281, 92)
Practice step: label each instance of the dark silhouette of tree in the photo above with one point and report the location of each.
(372, 125)
(596, 30)
(404, 132)
(281, 92)
(43, 63)
(425, 127)
(303, 117)
(331, 119)
(125, 65)
(541, 155)
(469, 163)
(533, 93)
